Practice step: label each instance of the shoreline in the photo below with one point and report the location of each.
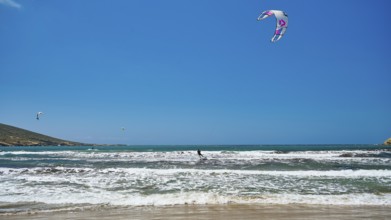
(216, 212)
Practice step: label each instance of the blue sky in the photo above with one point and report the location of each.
(197, 72)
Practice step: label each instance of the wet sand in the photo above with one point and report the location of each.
(218, 212)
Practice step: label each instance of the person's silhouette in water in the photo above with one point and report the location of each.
(199, 153)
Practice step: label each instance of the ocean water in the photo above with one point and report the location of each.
(72, 178)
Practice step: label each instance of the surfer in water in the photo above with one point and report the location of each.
(199, 154)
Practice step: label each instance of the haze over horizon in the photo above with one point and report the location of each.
(197, 72)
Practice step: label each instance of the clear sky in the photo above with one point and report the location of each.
(197, 71)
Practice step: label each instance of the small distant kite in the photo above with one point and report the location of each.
(123, 129)
(282, 22)
(38, 114)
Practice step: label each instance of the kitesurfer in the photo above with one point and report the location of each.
(199, 153)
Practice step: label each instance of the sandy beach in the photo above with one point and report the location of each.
(217, 212)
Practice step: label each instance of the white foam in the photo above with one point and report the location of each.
(199, 198)
(123, 186)
(147, 171)
(192, 154)
(220, 158)
(23, 152)
(205, 184)
(302, 173)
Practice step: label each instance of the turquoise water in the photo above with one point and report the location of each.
(57, 178)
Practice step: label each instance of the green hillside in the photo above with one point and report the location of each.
(13, 136)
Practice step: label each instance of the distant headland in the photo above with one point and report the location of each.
(13, 136)
(387, 142)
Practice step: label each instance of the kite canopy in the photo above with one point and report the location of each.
(282, 22)
(38, 114)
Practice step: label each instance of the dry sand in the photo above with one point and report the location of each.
(218, 212)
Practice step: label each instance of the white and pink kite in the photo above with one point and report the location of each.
(282, 22)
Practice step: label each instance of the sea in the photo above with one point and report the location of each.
(63, 178)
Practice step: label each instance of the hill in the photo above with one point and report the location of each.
(13, 136)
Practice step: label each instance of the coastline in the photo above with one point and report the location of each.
(216, 212)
